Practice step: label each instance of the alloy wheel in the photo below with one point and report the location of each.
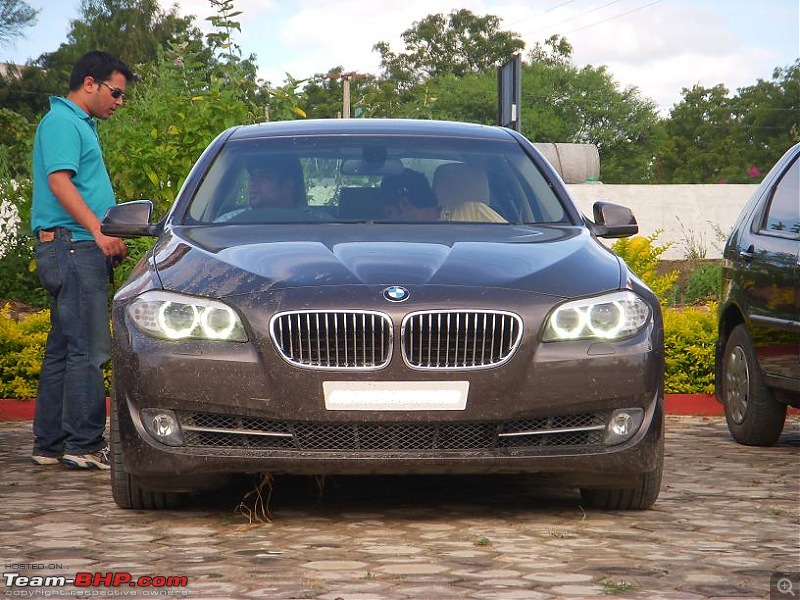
(737, 384)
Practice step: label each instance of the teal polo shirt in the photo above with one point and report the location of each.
(66, 140)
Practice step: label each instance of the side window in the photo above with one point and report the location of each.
(232, 194)
(783, 213)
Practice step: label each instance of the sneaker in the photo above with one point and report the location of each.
(43, 459)
(93, 460)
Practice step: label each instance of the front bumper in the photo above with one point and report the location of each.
(229, 429)
(585, 459)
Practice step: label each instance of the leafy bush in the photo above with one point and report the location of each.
(21, 352)
(22, 346)
(18, 279)
(174, 112)
(16, 141)
(702, 285)
(643, 256)
(689, 338)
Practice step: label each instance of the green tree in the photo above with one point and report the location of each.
(767, 117)
(716, 137)
(178, 108)
(471, 98)
(565, 103)
(223, 55)
(16, 142)
(284, 102)
(15, 15)
(370, 96)
(560, 103)
(324, 94)
(701, 143)
(26, 90)
(549, 96)
(134, 30)
(457, 44)
(623, 125)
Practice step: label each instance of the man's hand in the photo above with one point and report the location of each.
(111, 246)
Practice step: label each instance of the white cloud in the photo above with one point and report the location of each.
(665, 48)
(318, 36)
(661, 32)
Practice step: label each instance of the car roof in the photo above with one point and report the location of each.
(370, 127)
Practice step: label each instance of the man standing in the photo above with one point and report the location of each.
(71, 192)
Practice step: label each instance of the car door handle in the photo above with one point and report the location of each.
(749, 254)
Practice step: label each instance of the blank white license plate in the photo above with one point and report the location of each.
(395, 395)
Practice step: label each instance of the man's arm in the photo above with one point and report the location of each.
(69, 197)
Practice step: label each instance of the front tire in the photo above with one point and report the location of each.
(126, 491)
(640, 496)
(753, 415)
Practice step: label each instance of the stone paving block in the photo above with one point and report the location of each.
(728, 517)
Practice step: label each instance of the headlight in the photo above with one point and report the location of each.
(609, 317)
(175, 317)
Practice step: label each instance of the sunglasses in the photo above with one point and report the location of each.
(115, 92)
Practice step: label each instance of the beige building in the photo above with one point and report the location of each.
(7, 69)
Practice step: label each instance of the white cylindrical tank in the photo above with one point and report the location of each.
(576, 163)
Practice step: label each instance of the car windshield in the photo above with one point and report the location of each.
(389, 178)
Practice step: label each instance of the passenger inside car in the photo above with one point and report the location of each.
(409, 197)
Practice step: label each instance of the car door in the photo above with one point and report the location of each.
(769, 251)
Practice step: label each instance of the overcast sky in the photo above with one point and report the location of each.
(658, 46)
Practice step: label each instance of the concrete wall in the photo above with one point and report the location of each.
(693, 217)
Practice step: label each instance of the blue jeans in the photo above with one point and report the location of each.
(70, 412)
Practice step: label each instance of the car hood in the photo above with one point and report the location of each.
(232, 260)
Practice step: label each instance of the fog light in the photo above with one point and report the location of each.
(163, 425)
(622, 425)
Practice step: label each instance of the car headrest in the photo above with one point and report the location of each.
(454, 183)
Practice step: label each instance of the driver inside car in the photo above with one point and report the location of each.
(273, 183)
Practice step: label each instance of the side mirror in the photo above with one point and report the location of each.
(130, 220)
(613, 221)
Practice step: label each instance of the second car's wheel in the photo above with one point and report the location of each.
(754, 417)
(126, 491)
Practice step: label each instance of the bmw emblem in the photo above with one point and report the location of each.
(395, 293)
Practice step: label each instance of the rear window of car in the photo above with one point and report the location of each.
(357, 178)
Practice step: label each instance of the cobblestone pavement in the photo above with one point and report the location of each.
(728, 517)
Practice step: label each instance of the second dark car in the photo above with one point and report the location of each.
(382, 297)
(758, 347)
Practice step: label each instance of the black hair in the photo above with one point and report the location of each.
(99, 65)
(410, 184)
(287, 168)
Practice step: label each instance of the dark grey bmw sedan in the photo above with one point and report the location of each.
(382, 297)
